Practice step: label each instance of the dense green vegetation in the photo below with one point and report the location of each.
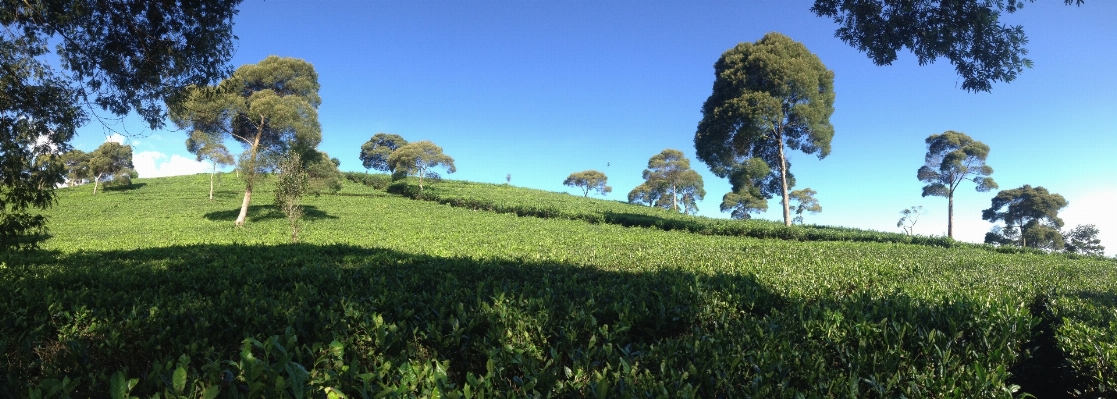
(150, 288)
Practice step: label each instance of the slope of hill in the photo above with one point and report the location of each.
(151, 289)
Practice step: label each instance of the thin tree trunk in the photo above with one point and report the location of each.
(674, 199)
(96, 180)
(950, 216)
(783, 181)
(251, 177)
(211, 180)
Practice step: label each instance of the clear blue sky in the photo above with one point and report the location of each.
(540, 89)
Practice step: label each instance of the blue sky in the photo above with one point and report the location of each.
(540, 89)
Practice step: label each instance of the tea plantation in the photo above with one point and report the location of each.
(150, 291)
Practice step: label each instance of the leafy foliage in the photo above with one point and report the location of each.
(746, 196)
(120, 55)
(952, 158)
(289, 188)
(804, 202)
(375, 152)
(968, 33)
(1083, 240)
(417, 159)
(427, 300)
(111, 163)
(271, 108)
(1034, 212)
(669, 183)
(909, 217)
(208, 147)
(768, 96)
(588, 180)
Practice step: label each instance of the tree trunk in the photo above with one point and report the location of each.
(950, 215)
(251, 177)
(211, 180)
(783, 181)
(674, 199)
(96, 180)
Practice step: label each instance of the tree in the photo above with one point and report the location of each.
(805, 202)
(271, 108)
(120, 55)
(669, 183)
(289, 190)
(588, 180)
(768, 97)
(952, 158)
(206, 147)
(76, 164)
(417, 159)
(1083, 240)
(375, 152)
(322, 173)
(111, 162)
(1032, 212)
(745, 196)
(967, 32)
(908, 219)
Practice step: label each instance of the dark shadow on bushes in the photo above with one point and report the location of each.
(125, 187)
(457, 309)
(257, 213)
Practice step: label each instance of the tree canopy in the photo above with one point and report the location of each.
(1032, 212)
(588, 180)
(768, 97)
(966, 32)
(804, 202)
(669, 183)
(270, 107)
(418, 159)
(745, 196)
(1083, 240)
(111, 162)
(118, 55)
(375, 152)
(952, 158)
(207, 147)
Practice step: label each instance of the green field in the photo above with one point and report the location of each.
(151, 288)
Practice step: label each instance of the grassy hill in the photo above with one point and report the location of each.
(152, 289)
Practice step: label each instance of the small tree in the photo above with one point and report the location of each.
(209, 147)
(323, 173)
(111, 162)
(952, 158)
(588, 180)
(289, 189)
(1033, 212)
(746, 196)
(804, 202)
(908, 219)
(1083, 240)
(375, 152)
(669, 183)
(417, 159)
(76, 163)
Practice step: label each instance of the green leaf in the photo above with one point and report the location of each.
(212, 392)
(118, 388)
(179, 380)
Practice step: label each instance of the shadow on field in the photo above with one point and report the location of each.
(129, 187)
(534, 320)
(257, 213)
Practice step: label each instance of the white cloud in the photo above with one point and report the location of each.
(157, 164)
(116, 138)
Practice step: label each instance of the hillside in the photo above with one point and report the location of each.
(388, 295)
